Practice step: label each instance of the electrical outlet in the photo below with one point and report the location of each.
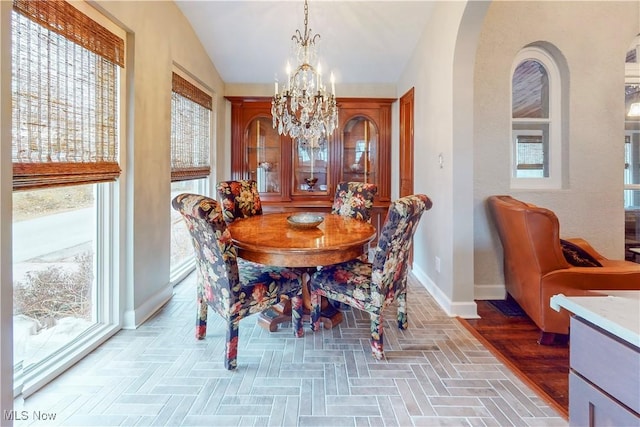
(437, 264)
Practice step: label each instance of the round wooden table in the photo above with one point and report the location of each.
(269, 239)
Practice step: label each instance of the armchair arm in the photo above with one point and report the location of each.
(586, 247)
(625, 277)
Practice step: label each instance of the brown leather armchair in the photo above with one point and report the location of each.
(535, 267)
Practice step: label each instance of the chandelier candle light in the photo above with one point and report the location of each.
(304, 110)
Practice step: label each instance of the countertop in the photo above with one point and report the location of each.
(617, 312)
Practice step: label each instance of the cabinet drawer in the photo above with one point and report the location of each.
(588, 406)
(611, 364)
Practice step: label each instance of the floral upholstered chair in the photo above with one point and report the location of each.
(354, 199)
(373, 286)
(240, 199)
(232, 287)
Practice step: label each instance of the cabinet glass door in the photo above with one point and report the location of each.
(263, 154)
(360, 151)
(310, 169)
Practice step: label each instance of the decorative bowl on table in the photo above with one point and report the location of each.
(305, 220)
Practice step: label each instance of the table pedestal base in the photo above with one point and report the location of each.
(281, 312)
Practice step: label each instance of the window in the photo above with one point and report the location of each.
(535, 121)
(632, 169)
(191, 109)
(67, 63)
(632, 148)
(182, 260)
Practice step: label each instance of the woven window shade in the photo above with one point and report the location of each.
(530, 152)
(65, 97)
(190, 130)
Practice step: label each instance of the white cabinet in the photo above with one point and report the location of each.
(604, 379)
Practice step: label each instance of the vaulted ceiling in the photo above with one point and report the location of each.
(360, 41)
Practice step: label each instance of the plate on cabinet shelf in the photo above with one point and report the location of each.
(305, 220)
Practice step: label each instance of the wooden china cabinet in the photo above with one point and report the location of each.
(358, 150)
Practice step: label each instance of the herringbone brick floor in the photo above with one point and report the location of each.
(436, 374)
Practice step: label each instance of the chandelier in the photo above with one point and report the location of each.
(304, 109)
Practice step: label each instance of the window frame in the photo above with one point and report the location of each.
(109, 240)
(554, 123)
(632, 77)
(524, 133)
(203, 184)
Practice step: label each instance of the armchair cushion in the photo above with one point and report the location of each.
(577, 256)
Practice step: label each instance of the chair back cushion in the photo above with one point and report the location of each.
(240, 199)
(391, 256)
(354, 200)
(530, 237)
(215, 254)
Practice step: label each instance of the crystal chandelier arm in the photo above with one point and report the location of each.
(304, 109)
(307, 40)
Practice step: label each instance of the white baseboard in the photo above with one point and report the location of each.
(489, 292)
(62, 360)
(134, 318)
(464, 309)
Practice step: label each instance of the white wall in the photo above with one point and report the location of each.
(160, 38)
(593, 38)
(441, 72)
(460, 70)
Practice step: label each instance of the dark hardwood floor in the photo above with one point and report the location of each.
(513, 339)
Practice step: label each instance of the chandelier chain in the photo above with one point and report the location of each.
(306, 16)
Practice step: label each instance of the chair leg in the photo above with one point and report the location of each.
(315, 311)
(296, 315)
(231, 354)
(201, 320)
(376, 336)
(401, 298)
